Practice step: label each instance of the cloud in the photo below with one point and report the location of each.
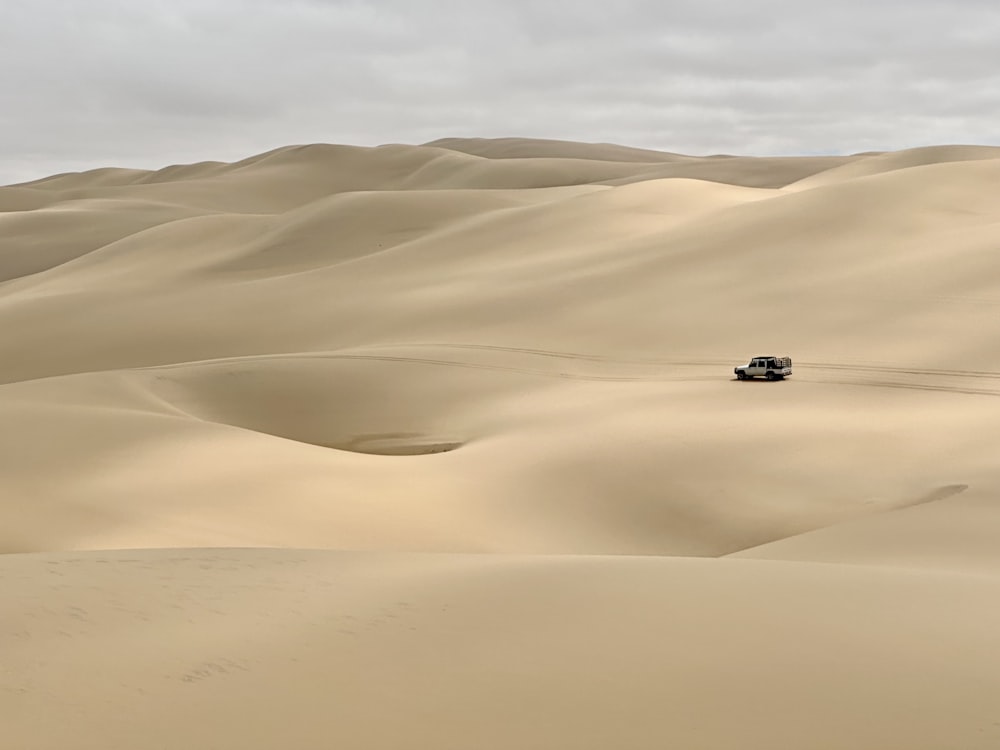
(148, 83)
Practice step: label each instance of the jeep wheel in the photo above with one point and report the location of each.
(771, 376)
(741, 376)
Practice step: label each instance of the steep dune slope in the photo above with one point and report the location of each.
(46, 237)
(14, 198)
(949, 528)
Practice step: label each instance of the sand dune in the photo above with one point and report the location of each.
(888, 162)
(36, 240)
(520, 148)
(440, 446)
(254, 648)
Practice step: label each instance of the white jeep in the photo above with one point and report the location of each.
(772, 368)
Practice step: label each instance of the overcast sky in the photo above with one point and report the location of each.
(146, 83)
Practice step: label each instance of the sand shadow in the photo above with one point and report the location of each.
(941, 493)
(397, 444)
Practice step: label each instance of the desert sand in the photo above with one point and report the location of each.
(439, 446)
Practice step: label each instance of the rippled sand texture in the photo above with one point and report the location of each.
(440, 447)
